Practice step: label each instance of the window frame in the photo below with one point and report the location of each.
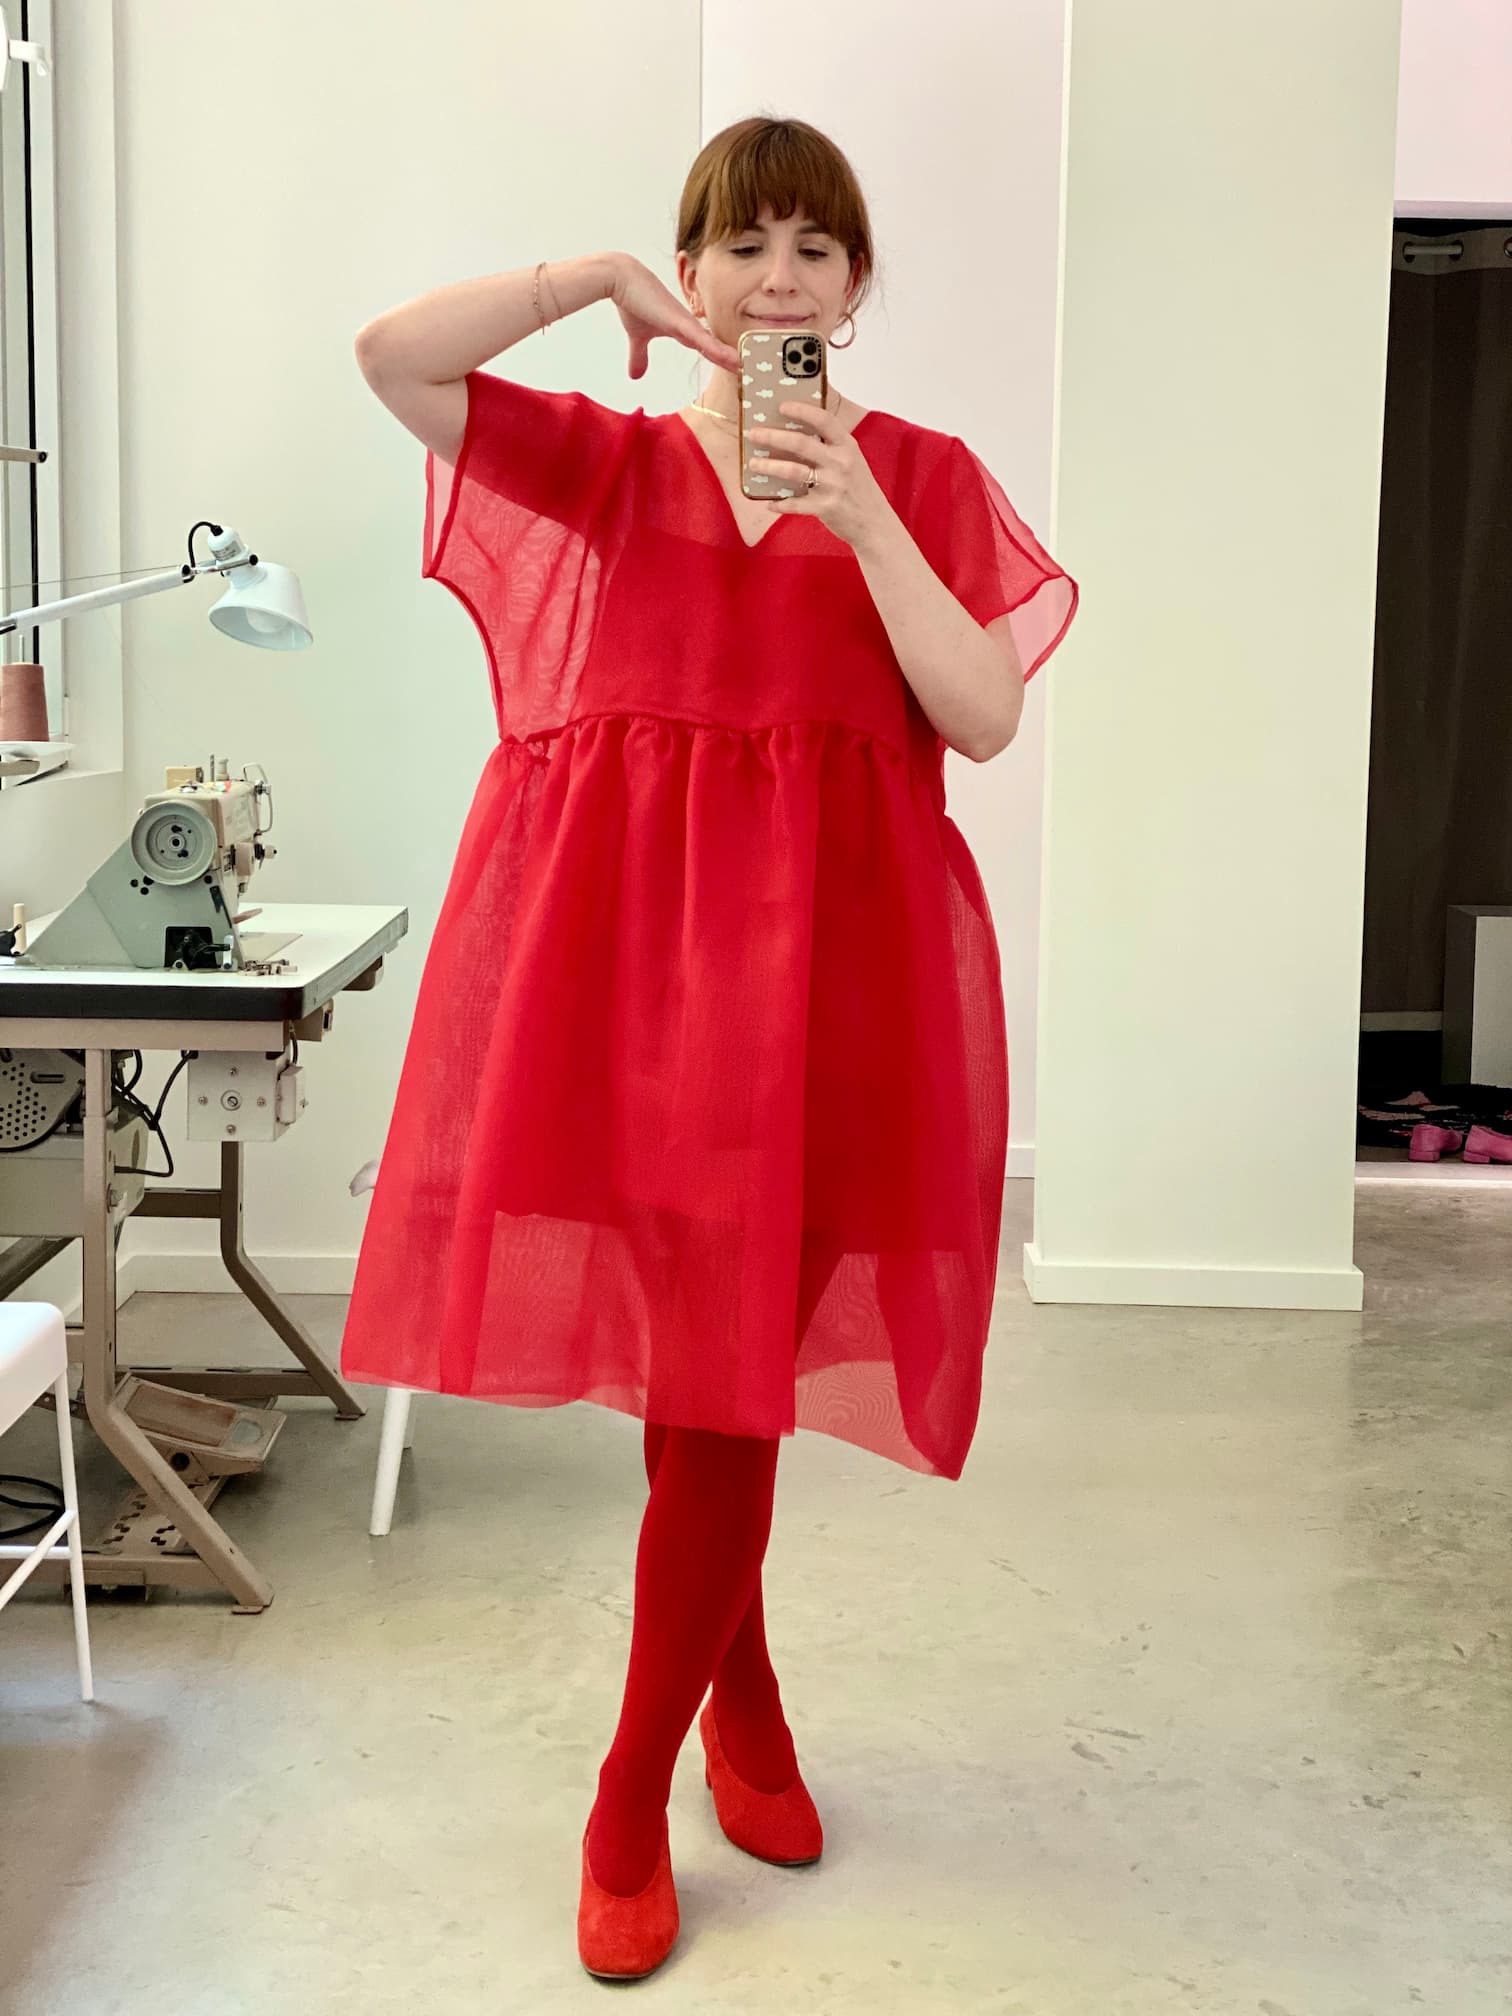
(74, 287)
(31, 530)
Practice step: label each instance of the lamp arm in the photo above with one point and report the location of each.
(122, 591)
(97, 598)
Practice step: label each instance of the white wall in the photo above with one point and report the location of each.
(345, 161)
(952, 119)
(383, 178)
(1223, 378)
(55, 831)
(278, 187)
(1454, 123)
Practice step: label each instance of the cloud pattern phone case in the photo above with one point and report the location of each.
(764, 387)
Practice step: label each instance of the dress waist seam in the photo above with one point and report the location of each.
(542, 738)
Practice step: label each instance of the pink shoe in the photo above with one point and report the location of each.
(1429, 1141)
(1488, 1144)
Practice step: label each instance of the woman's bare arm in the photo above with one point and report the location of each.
(416, 357)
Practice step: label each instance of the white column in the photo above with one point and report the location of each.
(1225, 284)
(951, 117)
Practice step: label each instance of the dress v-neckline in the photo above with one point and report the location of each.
(782, 518)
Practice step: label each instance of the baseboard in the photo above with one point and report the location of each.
(184, 1273)
(154, 1273)
(71, 1299)
(1115, 1283)
(1448, 1175)
(126, 1284)
(1020, 1161)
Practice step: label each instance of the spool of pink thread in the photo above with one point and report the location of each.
(23, 704)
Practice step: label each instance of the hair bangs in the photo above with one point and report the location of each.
(782, 165)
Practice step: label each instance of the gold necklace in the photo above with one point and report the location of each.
(730, 420)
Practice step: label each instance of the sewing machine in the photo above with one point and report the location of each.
(171, 893)
(151, 956)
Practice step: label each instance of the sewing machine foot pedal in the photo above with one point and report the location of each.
(204, 1440)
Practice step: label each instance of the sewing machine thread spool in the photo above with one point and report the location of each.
(23, 703)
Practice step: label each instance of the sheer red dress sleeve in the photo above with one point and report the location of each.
(989, 559)
(513, 530)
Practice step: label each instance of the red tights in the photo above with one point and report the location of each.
(753, 1730)
(698, 1616)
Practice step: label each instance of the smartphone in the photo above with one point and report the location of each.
(777, 366)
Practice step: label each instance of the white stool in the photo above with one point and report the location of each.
(396, 1435)
(34, 1356)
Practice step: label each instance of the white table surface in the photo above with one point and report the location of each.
(330, 945)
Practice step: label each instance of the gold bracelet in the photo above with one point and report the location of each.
(535, 297)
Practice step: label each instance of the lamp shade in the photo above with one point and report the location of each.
(264, 605)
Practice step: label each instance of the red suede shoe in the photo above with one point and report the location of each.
(780, 1827)
(627, 1938)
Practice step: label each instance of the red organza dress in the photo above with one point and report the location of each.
(704, 1109)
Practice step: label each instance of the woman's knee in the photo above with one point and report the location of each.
(727, 1460)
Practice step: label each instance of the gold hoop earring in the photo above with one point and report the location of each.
(848, 317)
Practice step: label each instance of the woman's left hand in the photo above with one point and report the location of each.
(847, 496)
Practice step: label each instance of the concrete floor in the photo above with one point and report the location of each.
(1191, 1696)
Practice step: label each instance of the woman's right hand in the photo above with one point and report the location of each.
(648, 309)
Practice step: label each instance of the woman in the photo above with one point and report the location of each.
(704, 1111)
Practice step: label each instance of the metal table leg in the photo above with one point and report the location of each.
(248, 1382)
(219, 1561)
(259, 1293)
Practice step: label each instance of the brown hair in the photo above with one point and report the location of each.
(784, 164)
